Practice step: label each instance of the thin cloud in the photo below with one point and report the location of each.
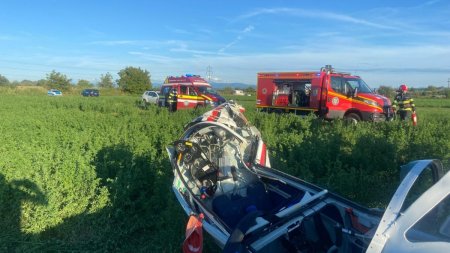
(430, 33)
(405, 70)
(114, 42)
(137, 53)
(403, 60)
(186, 50)
(314, 14)
(353, 20)
(328, 34)
(178, 31)
(389, 24)
(432, 2)
(146, 44)
(151, 57)
(426, 4)
(377, 65)
(234, 42)
(246, 30)
(183, 47)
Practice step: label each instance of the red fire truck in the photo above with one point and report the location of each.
(193, 91)
(329, 94)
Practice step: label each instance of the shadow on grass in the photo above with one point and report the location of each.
(141, 215)
(12, 196)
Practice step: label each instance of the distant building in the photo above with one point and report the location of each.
(238, 92)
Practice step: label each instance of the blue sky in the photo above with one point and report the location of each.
(385, 42)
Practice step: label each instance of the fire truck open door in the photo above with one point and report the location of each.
(319, 94)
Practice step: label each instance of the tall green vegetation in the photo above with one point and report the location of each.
(57, 80)
(106, 81)
(386, 91)
(348, 159)
(134, 80)
(85, 175)
(84, 84)
(4, 81)
(92, 175)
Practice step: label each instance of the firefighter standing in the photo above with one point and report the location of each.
(173, 100)
(403, 103)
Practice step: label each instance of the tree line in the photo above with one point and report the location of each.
(131, 80)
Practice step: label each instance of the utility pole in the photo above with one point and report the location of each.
(448, 83)
(209, 73)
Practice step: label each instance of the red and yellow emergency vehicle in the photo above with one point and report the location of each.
(192, 91)
(329, 94)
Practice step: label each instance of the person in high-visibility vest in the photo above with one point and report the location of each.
(403, 103)
(172, 100)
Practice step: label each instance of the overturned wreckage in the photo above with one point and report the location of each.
(222, 171)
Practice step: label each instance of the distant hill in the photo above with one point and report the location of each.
(240, 86)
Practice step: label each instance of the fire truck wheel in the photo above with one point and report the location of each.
(352, 118)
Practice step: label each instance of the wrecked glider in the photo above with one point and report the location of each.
(222, 171)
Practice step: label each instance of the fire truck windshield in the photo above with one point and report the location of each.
(358, 83)
(206, 90)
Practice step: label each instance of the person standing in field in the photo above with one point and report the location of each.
(173, 100)
(403, 103)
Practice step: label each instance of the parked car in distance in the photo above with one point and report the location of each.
(54, 92)
(150, 97)
(90, 93)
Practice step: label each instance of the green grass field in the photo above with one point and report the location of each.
(91, 174)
